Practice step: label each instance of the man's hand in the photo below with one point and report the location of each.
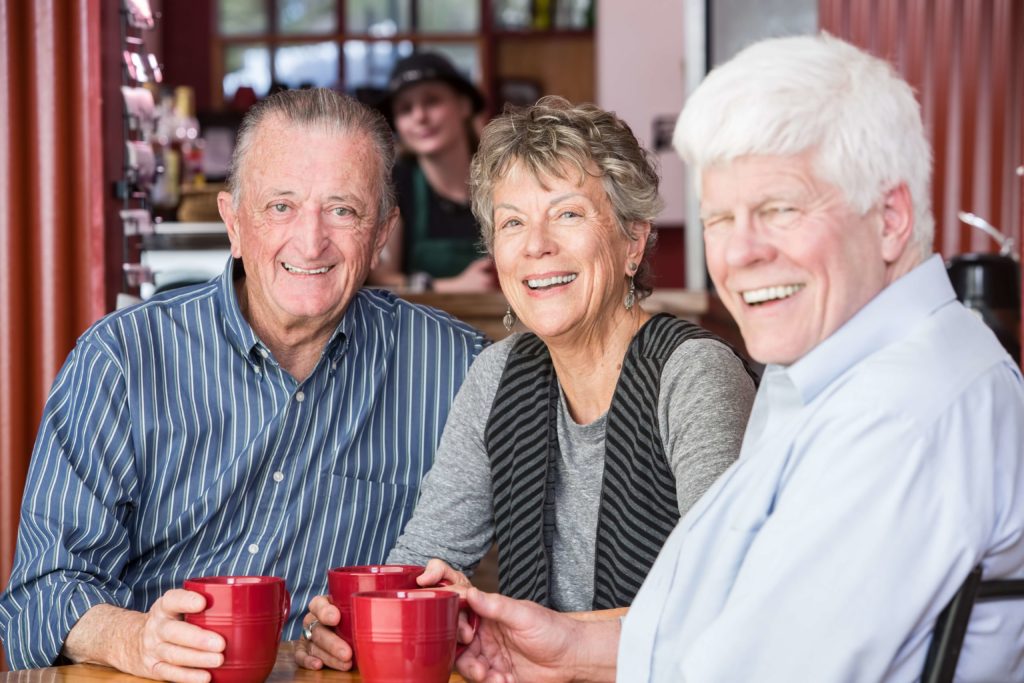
(522, 642)
(157, 644)
(326, 648)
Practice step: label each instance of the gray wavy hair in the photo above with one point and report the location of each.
(553, 134)
(326, 110)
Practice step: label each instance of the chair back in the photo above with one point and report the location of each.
(951, 625)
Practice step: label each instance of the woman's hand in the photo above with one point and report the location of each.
(439, 572)
(477, 277)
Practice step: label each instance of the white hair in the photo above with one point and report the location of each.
(785, 96)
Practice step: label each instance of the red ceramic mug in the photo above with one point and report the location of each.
(249, 612)
(407, 636)
(343, 582)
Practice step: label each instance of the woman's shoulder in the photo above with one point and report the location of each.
(491, 360)
(705, 357)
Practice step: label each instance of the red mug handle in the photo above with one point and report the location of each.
(286, 608)
(474, 621)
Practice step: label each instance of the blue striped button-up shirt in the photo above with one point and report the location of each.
(174, 445)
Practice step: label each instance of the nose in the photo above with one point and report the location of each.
(747, 244)
(312, 233)
(418, 112)
(538, 240)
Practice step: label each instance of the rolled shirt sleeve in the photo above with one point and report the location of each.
(72, 539)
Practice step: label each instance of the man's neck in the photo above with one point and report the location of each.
(297, 348)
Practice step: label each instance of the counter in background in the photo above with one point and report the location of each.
(485, 311)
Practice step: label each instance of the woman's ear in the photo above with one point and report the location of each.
(639, 232)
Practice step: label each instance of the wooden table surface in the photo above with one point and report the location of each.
(284, 671)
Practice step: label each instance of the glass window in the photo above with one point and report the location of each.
(513, 15)
(448, 16)
(307, 64)
(574, 14)
(379, 18)
(307, 16)
(246, 65)
(241, 17)
(368, 64)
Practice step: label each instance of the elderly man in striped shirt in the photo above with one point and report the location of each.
(276, 420)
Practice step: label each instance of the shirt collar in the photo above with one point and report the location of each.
(241, 334)
(885, 319)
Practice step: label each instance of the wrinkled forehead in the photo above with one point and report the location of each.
(311, 154)
(547, 171)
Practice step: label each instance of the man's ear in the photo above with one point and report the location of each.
(230, 218)
(639, 233)
(380, 240)
(897, 222)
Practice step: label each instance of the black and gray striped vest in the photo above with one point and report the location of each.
(638, 506)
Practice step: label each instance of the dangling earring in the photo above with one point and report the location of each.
(509, 320)
(630, 295)
(630, 299)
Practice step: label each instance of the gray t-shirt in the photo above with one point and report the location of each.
(703, 406)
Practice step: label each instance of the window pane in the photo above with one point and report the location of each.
(241, 17)
(448, 16)
(368, 64)
(379, 18)
(574, 14)
(307, 64)
(247, 65)
(307, 16)
(465, 57)
(513, 15)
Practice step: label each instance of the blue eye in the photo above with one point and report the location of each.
(342, 211)
(280, 208)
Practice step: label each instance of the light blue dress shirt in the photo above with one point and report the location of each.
(173, 445)
(875, 473)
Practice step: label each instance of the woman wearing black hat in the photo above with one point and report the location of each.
(431, 107)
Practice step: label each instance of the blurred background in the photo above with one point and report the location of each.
(119, 117)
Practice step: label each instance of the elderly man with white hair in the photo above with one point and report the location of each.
(884, 458)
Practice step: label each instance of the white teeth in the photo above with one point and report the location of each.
(759, 296)
(302, 271)
(549, 281)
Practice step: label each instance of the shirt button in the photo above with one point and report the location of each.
(278, 476)
(253, 548)
(264, 353)
(300, 396)
(256, 369)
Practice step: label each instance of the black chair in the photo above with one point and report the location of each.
(951, 626)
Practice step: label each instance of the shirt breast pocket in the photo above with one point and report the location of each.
(376, 488)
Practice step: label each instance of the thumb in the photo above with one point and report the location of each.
(178, 601)
(497, 607)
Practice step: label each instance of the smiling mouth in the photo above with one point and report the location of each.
(549, 282)
(305, 271)
(756, 297)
